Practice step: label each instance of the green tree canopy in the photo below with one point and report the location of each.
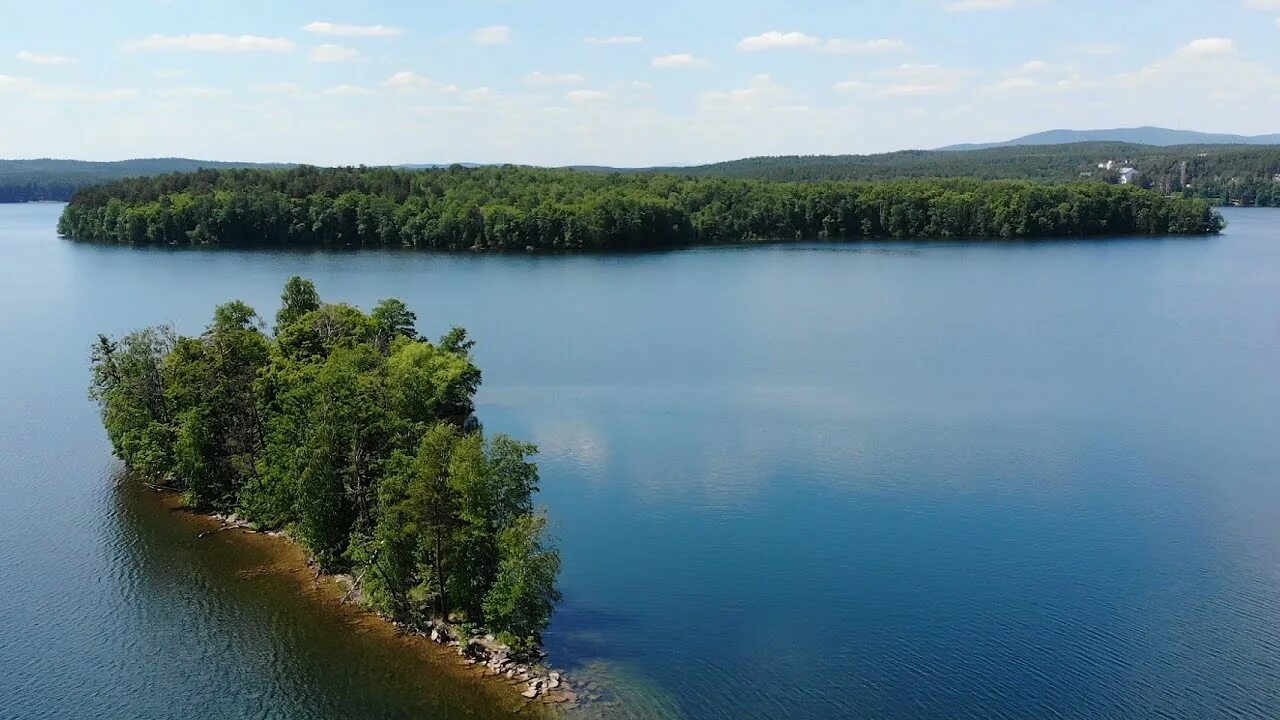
(353, 433)
(518, 208)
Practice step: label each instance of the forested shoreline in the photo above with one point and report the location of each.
(354, 434)
(53, 180)
(519, 208)
(1220, 174)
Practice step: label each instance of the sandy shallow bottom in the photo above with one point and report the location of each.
(273, 560)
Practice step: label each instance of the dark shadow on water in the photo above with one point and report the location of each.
(260, 637)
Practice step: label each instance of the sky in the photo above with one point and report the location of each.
(659, 82)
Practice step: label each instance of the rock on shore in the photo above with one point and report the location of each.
(493, 655)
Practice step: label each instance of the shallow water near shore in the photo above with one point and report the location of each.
(895, 480)
(293, 627)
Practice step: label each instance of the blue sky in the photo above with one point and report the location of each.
(555, 82)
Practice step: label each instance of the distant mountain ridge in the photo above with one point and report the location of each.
(1146, 135)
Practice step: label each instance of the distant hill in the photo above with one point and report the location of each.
(52, 179)
(1147, 135)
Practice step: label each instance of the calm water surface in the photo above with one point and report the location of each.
(856, 481)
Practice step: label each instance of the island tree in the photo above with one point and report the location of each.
(355, 434)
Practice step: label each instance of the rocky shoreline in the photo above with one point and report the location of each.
(494, 656)
(494, 659)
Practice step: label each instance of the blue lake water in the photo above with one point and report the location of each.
(896, 480)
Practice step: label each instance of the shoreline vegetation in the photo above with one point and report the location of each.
(355, 436)
(526, 209)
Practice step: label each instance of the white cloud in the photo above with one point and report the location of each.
(341, 30)
(480, 94)
(677, 60)
(1225, 86)
(925, 79)
(346, 90)
(180, 93)
(1079, 82)
(1263, 4)
(9, 82)
(447, 109)
(1098, 49)
(538, 77)
(280, 88)
(909, 80)
(1032, 66)
(774, 39)
(82, 95)
(37, 59)
(839, 46)
(911, 89)
(409, 81)
(1209, 46)
(1016, 83)
(977, 5)
(586, 95)
(492, 35)
(213, 42)
(614, 40)
(762, 93)
(777, 40)
(853, 86)
(328, 53)
(46, 93)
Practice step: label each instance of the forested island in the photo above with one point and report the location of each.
(520, 208)
(356, 436)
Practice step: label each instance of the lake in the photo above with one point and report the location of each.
(894, 480)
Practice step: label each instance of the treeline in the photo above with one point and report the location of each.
(1223, 174)
(517, 208)
(356, 434)
(48, 179)
(37, 189)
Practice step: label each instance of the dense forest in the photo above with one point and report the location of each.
(356, 434)
(47, 179)
(517, 208)
(1222, 174)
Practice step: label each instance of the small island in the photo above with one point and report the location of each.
(528, 209)
(354, 435)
